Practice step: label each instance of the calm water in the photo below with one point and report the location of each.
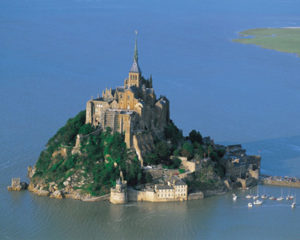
(55, 54)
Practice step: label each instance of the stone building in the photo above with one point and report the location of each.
(175, 190)
(132, 109)
(118, 194)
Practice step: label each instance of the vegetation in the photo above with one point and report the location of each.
(205, 179)
(280, 39)
(103, 154)
(102, 157)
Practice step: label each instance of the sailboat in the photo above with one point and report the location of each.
(272, 198)
(257, 196)
(258, 202)
(288, 196)
(248, 196)
(294, 203)
(234, 197)
(250, 205)
(280, 198)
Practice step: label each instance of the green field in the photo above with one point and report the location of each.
(279, 39)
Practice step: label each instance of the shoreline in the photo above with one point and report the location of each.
(280, 181)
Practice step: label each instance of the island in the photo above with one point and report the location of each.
(124, 147)
(286, 39)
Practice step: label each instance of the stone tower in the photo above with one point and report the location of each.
(134, 78)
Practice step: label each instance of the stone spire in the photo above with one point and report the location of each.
(136, 57)
(135, 65)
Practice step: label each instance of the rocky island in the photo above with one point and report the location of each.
(124, 147)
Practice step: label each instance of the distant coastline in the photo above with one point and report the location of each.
(283, 39)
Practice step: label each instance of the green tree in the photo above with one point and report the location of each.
(195, 136)
(187, 150)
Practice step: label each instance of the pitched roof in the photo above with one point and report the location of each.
(135, 67)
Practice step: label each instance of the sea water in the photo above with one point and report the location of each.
(55, 55)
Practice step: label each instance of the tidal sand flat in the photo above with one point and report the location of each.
(280, 39)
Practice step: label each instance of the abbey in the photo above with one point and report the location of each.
(132, 109)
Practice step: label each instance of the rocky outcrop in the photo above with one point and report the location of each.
(17, 185)
(57, 194)
(38, 190)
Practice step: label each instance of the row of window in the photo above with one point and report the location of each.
(133, 77)
(165, 195)
(180, 190)
(170, 195)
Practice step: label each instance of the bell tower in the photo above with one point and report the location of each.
(134, 78)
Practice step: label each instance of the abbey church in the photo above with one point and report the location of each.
(132, 109)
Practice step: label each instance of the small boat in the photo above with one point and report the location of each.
(281, 197)
(257, 202)
(250, 205)
(291, 197)
(293, 205)
(264, 196)
(255, 197)
(234, 197)
(248, 196)
(287, 197)
(272, 198)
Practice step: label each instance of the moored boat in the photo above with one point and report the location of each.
(250, 205)
(264, 196)
(234, 197)
(293, 205)
(257, 202)
(255, 197)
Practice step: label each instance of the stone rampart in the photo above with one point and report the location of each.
(118, 197)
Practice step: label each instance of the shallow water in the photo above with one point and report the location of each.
(56, 54)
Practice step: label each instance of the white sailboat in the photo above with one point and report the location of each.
(258, 202)
(250, 205)
(234, 197)
(248, 196)
(288, 196)
(264, 196)
(281, 197)
(294, 203)
(257, 195)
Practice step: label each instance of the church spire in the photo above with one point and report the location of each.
(136, 57)
(135, 65)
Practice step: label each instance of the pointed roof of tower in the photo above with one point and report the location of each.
(135, 65)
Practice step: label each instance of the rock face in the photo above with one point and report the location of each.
(17, 185)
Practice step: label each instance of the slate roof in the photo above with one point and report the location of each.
(164, 187)
(135, 67)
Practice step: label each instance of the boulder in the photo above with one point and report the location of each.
(57, 194)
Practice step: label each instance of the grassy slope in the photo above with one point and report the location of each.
(280, 39)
